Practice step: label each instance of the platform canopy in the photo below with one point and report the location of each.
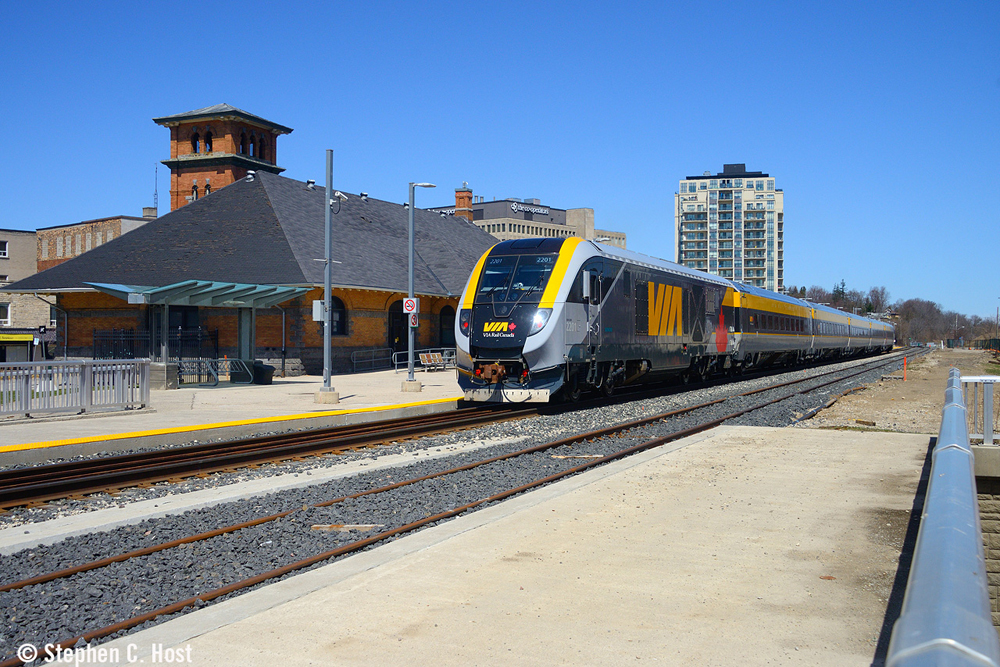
(205, 293)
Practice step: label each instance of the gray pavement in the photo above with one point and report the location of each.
(173, 415)
(742, 545)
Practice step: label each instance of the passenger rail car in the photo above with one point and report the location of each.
(541, 316)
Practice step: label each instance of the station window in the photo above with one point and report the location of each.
(338, 317)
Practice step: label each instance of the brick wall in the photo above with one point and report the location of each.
(60, 244)
(226, 136)
(989, 517)
(367, 325)
(26, 311)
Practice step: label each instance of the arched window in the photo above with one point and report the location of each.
(208, 141)
(262, 149)
(253, 145)
(208, 187)
(194, 192)
(338, 317)
(243, 143)
(195, 143)
(447, 329)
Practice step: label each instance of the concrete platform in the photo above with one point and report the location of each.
(228, 411)
(742, 545)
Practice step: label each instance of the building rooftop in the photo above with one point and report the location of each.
(221, 111)
(270, 230)
(738, 170)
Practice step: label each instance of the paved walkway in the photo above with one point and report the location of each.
(746, 546)
(287, 399)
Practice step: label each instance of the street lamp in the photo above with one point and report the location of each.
(411, 384)
(326, 394)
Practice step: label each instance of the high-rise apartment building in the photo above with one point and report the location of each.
(732, 225)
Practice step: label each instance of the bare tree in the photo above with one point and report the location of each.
(878, 298)
(818, 295)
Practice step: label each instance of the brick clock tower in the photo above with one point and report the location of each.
(215, 146)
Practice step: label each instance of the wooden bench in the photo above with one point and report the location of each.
(432, 360)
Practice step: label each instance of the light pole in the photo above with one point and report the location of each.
(326, 394)
(411, 384)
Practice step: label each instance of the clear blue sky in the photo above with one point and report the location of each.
(879, 120)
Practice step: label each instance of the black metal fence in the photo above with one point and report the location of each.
(137, 344)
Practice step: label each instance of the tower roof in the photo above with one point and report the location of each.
(221, 111)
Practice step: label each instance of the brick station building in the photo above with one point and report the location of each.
(265, 229)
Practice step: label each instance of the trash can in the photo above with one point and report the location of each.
(262, 373)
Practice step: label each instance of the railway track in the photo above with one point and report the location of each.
(34, 486)
(109, 474)
(508, 474)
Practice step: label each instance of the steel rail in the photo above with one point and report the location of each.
(361, 544)
(600, 433)
(116, 473)
(39, 484)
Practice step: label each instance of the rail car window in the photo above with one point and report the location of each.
(515, 278)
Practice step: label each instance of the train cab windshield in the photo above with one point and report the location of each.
(515, 278)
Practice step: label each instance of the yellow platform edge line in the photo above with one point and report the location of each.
(201, 427)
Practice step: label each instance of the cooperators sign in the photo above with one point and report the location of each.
(521, 208)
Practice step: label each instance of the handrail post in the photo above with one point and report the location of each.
(86, 385)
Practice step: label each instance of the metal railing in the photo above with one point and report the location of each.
(946, 611)
(401, 359)
(61, 386)
(206, 371)
(982, 419)
(372, 360)
(195, 343)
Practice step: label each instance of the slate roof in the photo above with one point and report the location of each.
(270, 231)
(220, 110)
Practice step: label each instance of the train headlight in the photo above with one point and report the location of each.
(465, 321)
(539, 320)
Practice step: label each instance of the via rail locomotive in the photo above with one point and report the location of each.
(544, 316)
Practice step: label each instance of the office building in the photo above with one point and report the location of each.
(508, 219)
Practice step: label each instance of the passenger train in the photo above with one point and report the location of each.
(546, 317)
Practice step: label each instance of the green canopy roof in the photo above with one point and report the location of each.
(205, 293)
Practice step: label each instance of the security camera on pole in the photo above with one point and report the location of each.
(409, 384)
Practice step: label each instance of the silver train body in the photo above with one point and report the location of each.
(541, 317)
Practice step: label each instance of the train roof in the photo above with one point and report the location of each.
(768, 294)
(657, 263)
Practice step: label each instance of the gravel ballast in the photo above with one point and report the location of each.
(66, 607)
